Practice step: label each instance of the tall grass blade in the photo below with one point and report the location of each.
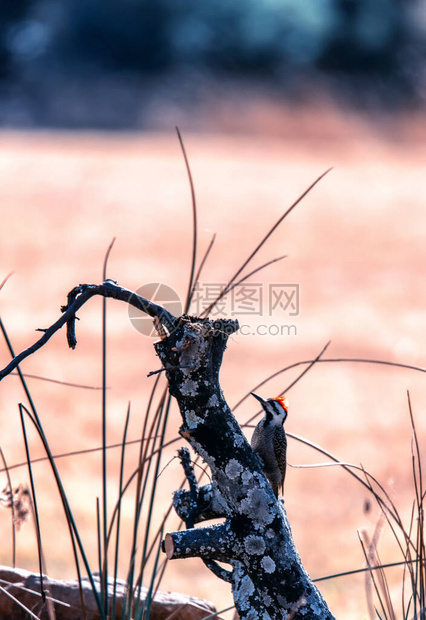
(148, 435)
(42, 565)
(100, 554)
(3, 282)
(120, 495)
(194, 224)
(34, 502)
(104, 566)
(71, 525)
(363, 538)
(201, 266)
(309, 366)
(151, 591)
(232, 285)
(74, 534)
(12, 506)
(163, 419)
(330, 361)
(155, 477)
(217, 613)
(265, 238)
(18, 602)
(126, 486)
(420, 543)
(64, 455)
(357, 571)
(80, 386)
(21, 376)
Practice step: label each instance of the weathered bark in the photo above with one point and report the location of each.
(25, 587)
(255, 537)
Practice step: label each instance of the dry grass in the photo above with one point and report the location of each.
(355, 246)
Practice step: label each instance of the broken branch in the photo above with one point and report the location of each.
(76, 299)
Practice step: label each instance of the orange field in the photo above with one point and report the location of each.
(355, 247)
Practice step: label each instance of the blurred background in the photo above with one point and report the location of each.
(268, 95)
(132, 64)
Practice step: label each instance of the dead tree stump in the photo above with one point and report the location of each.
(267, 576)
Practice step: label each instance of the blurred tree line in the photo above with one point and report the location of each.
(379, 41)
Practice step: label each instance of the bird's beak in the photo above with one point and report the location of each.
(259, 398)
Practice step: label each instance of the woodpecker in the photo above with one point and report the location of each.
(269, 440)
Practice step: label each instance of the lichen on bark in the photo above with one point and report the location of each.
(268, 579)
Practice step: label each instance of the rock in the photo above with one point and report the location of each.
(65, 596)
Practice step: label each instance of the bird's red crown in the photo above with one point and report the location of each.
(283, 402)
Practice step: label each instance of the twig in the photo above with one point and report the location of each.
(76, 299)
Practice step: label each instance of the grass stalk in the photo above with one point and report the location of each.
(148, 436)
(12, 506)
(34, 503)
(100, 552)
(104, 565)
(73, 530)
(194, 224)
(120, 496)
(163, 419)
(262, 243)
(18, 602)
